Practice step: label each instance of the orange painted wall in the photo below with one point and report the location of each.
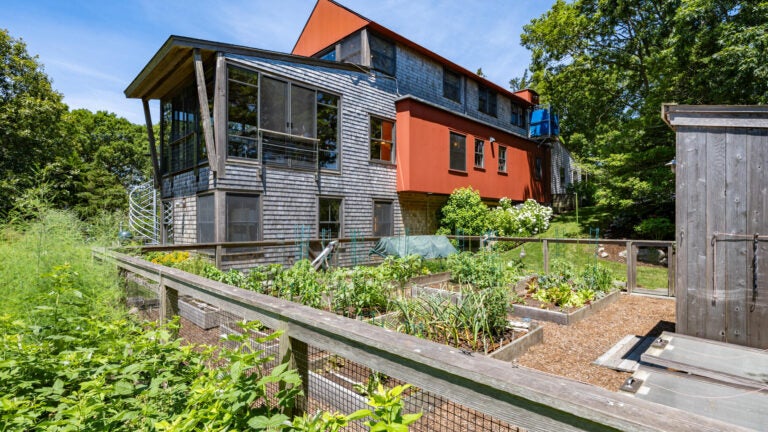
(328, 23)
(423, 134)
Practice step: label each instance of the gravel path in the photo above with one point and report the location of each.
(570, 350)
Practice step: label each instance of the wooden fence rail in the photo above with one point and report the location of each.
(632, 247)
(522, 397)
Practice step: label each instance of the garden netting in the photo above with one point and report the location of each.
(426, 246)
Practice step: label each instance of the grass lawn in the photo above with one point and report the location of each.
(580, 255)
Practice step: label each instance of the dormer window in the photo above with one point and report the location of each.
(517, 118)
(451, 85)
(486, 100)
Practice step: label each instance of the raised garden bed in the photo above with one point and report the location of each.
(565, 317)
(199, 313)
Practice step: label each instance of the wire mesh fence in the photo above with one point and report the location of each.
(334, 383)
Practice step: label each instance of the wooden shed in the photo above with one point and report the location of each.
(722, 222)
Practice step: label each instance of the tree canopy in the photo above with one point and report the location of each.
(608, 65)
(78, 159)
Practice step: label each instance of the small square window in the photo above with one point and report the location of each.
(242, 218)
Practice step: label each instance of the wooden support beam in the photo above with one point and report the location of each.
(205, 113)
(169, 302)
(631, 265)
(220, 112)
(296, 354)
(671, 269)
(152, 149)
(545, 255)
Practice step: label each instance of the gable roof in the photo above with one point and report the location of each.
(173, 63)
(330, 22)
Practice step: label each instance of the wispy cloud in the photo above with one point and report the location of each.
(86, 72)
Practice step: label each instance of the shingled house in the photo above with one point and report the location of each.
(358, 130)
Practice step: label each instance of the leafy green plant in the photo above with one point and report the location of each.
(464, 212)
(481, 270)
(596, 277)
(387, 413)
(361, 291)
(402, 269)
(300, 283)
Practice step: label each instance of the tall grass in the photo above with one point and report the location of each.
(32, 249)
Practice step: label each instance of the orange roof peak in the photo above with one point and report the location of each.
(328, 23)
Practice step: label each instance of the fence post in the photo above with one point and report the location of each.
(219, 251)
(631, 273)
(671, 270)
(296, 354)
(169, 302)
(545, 254)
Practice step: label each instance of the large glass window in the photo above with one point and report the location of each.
(382, 54)
(458, 152)
(451, 85)
(274, 109)
(350, 49)
(181, 143)
(328, 130)
(382, 140)
(383, 219)
(295, 125)
(329, 217)
(502, 159)
(242, 218)
(479, 153)
(486, 102)
(243, 114)
(206, 222)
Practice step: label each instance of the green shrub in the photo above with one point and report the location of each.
(656, 228)
(464, 213)
(522, 220)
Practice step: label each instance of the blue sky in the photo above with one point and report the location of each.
(92, 50)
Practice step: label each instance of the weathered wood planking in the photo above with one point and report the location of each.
(736, 223)
(722, 202)
(715, 270)
(757, 222)
(519, 396)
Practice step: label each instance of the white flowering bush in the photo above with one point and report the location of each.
(522, 220)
